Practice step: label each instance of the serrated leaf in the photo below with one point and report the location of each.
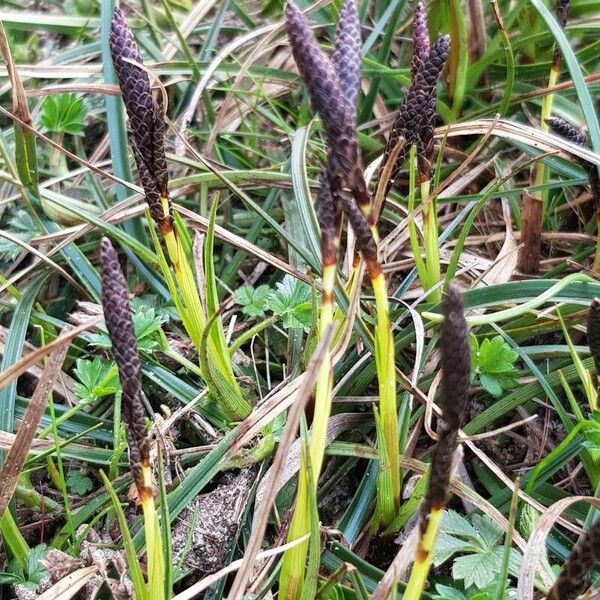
(445, 592)
(496, 356)
(478, 569)
(490, 384)
(291, 292)
(252, 301)
(35, 570)
(487, 530)
(299, 318)
(455, 524)
(493, 363)
(79, 483)
(446, 546)
(146, 326)
(495, 384)
(98, 378)
(63, 113)
(292, 302)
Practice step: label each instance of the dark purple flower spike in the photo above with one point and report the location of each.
(415, 119)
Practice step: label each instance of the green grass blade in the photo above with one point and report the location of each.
(135, 570)
(12, 538)
(13, 351)
(165, 529)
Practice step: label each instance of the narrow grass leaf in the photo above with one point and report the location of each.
(135, 570)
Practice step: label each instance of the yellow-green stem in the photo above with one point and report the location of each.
(294, 560)
(385, 507)
(541, 173)
(424, 556)
(154, 551)
(324, 380)
(416, 250)
(386, 374)
(412, 227)
(195, 321)
(430, 240)
(187, 285)
(388, 412)
(293, 566)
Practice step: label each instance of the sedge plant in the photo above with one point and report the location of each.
(147, 139)
(414, 126)
(456, 366)
(533, 203)
(119, 323)
(333, 87)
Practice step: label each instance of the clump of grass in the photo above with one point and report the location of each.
(456, 370)
(118, 318)
(147, 138)
(333, 88)
(413, 126)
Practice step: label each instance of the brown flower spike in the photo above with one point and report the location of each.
(572, 580)
(346, 57)
(333, 85)
(146, 116)
(456, 366)
(415, 119)
(566, 130)
(329, 220)
(320, 76)
(117, 315)
(420, 40)
(576, 136)
(364, 237)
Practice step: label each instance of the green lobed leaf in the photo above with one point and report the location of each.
(252, 300)
(493, 362)
(445, 592)
(79, 483)
(98, 378)
(291, 300)
(63, 113)
(478, 568)
(35, 571)
(146, 327)
(496, 356)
